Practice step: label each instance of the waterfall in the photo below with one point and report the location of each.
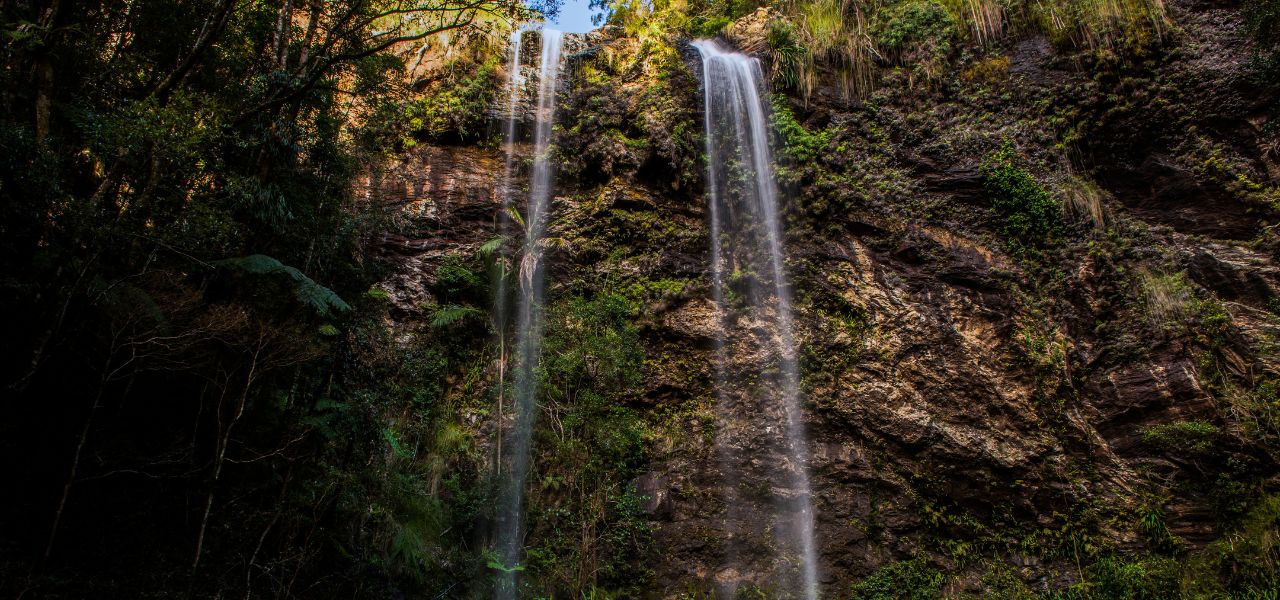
(501, 300)
(746, 233)
(528, 333)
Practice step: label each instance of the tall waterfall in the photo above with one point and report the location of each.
(528, 333)
(501, 295)
(746, 239)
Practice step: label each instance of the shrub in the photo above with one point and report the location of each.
(1154, 579)
(457, 280)
(1030, 216)
(707, 26)
(1185, 438)
(1155, 528)
(903, 580)
(590, 451)
(799, 144)
(452, 108)
(785, 55)
(1262, 19)
(917, 34)
(1245, 562)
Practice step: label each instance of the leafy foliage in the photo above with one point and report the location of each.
(918, 33)
(800, 145)
(1262, 19)
(1245, 562)
(452, 110)
(593, 448)
(1183, 438)
(911, 579)
(446, 316)
(1030, 215)
(234, 418)
(322, 299)
(1113, 577)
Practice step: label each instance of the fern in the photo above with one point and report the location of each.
(454, 313)
(493, 562)
(322, 299)
(120, 299)
(515, 216)
(492, 246)
(393, 439)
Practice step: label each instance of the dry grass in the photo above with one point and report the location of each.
(1103, 23)
(822, 38)
(833, 34)
(985, 18)
(1084, 200)
(989, 69)
(1167, 299)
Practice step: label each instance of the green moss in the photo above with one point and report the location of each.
(650, 290)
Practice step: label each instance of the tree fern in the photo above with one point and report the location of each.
(452, 314)
(515, 216)
(322, 299)
(492, 246)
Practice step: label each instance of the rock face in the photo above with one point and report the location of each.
(440, 201)
(966, 396)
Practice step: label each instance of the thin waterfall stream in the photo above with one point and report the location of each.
(746, 237)
(529, 316)
(501, 302)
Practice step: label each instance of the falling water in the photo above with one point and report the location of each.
(528, 319)
(744, 210)
(501, 299)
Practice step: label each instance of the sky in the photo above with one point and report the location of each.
(575, 17)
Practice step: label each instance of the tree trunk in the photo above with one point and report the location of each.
(224, 438)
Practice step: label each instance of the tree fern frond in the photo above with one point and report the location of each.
(454, 313)
(324, 300)
(492, 246)
(516, 216)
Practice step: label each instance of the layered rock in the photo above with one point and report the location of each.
(965, 397)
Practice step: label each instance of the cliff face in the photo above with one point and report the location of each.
(1003, 408)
